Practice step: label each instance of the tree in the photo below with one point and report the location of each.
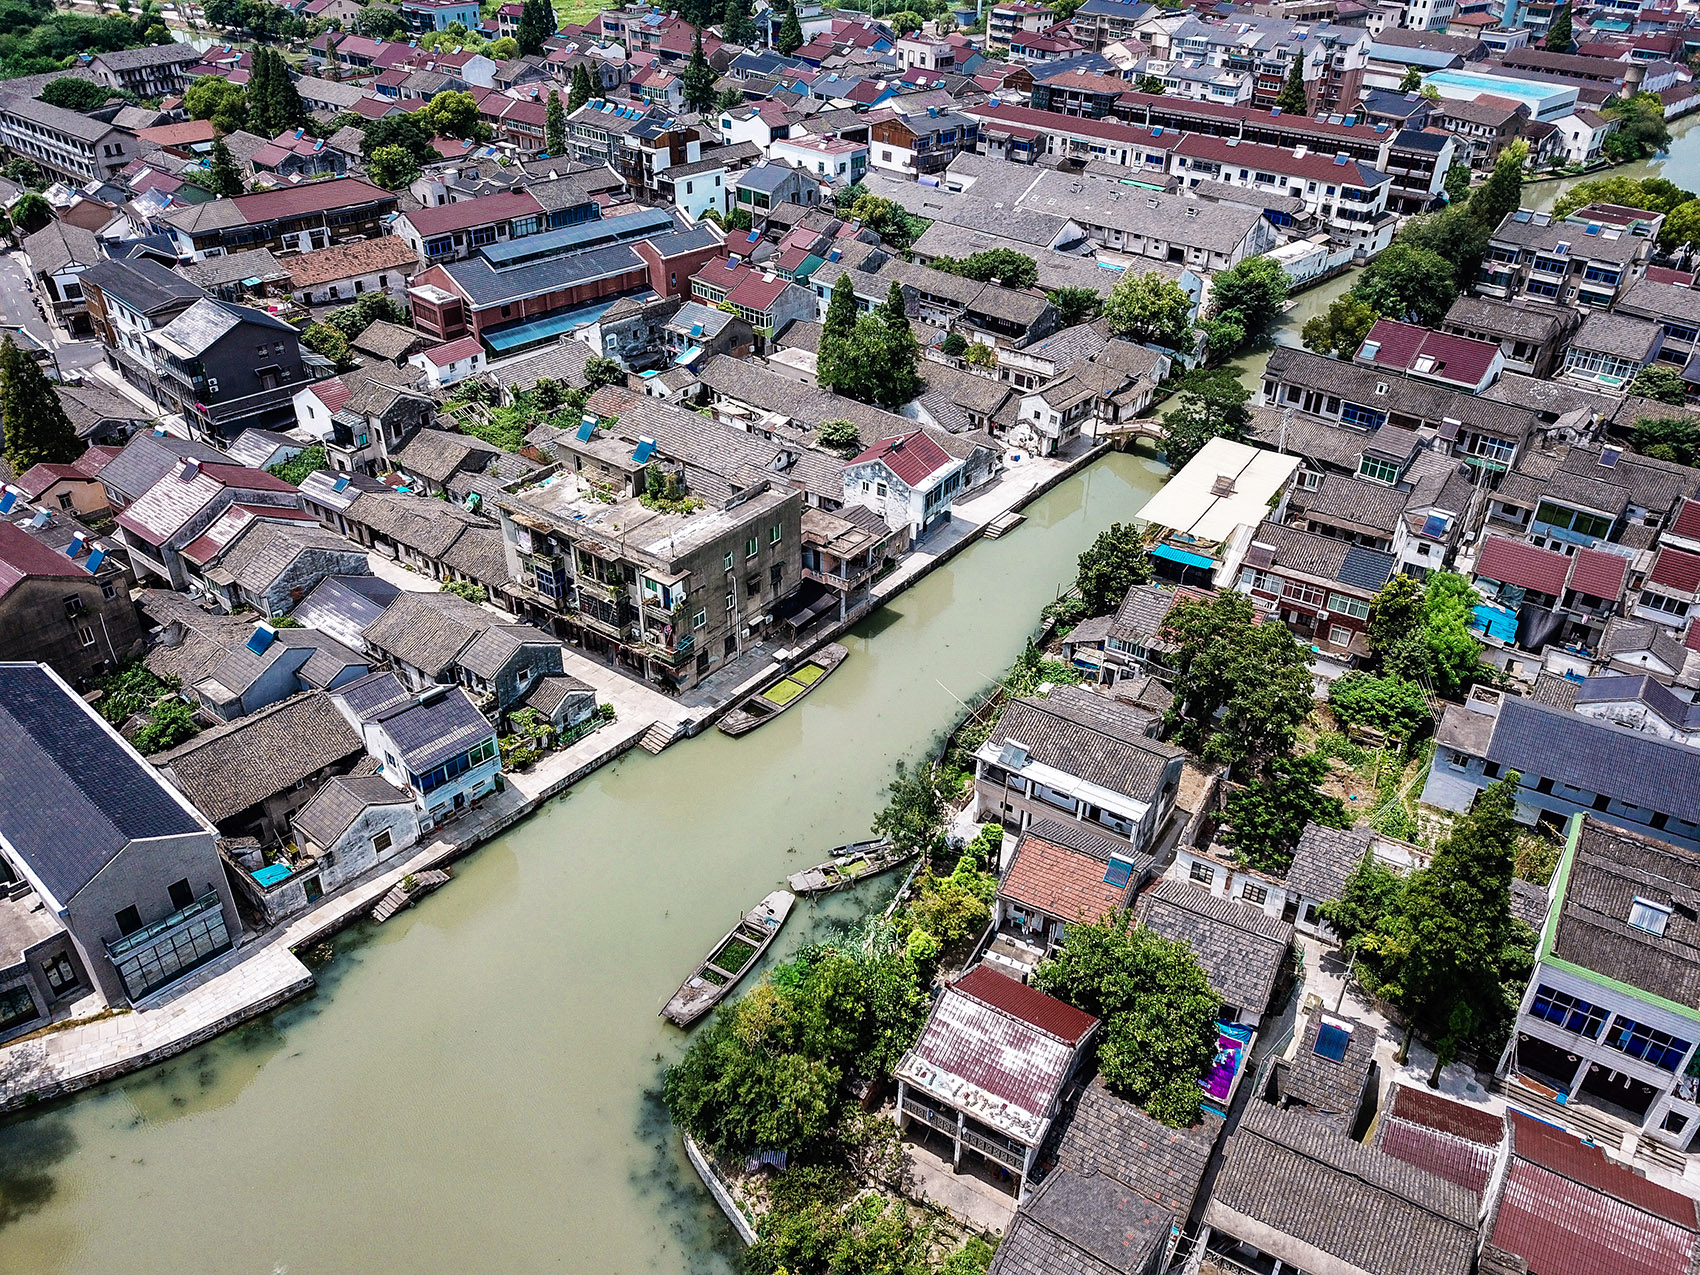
(1340, 330)
(36, 427)
(380, 22)
(1223, 338)
(1211, 404)
(839, 436)
(913, 817)
(1652, 193)
(1151, 84)
(224, 177)
(600, 371)
(1391, 705)
(995, 265)
(218, 100)
(1150, 308)
(1250, 294)
(1436, 647)
(172, 722)
(409, 132)
(729, 100)
(900, 354)
(322, 338)
(1411, 81)
(352, 320)
(1559, 38)
(790, 37)
(1115, 563)
(25, 172)
(698, 80)
(1241, 687)
(1662, 384)
(1452, 234)
(735, 24)
(555, 125)
(1457, 182)
(955, 345)
(504, 49)
(31, 213)
(1409, 283)
(1292, 99)
(1681, 228)
(1395, 614)
(1266, 819)
(1641, 128)
(536, 24)
(453, 113)
(1498, 197)
(1075, 305)
(1155, 1001)
(581, 91)
(392, 168)
(75, 95)
(840, 319)
(1673, 438)
(1371, 893)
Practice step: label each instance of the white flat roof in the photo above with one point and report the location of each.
(1189, 503)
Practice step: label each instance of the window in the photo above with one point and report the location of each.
(1255, 894)
(381, 842)
(699, 619)
(1649, 916)
(182, 894)
(64, 500)
(752, 546)
(1362, 417)
(1378, 470)
(732, 600)
(1252, 578)
(1202, 873)
(1583, 524)
(1566, 1011)
(61, 974)
(129, 920)
(1659, 602)
(728, 561)
(1354, 607)
(1309, 595)
(1339, 635)
(16, 1006)
(881, 489)
(1648, 1044)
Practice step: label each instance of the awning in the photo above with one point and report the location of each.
(1184, 558)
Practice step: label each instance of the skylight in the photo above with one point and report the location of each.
(1332, 1037)
(1646, 915)
(1119, 874)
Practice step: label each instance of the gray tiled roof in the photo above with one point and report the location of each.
(1617, 334)
(549, 693)
(1083, 1224)
(1568, 748)
(1080, 743)
(1330, 1090)
(265, 550)
(563, 361)
(430, 732)
(1241, 948)
(1405, 396)
(498, 644)
(342, 800)
(478, 552)
(1342, 498)
(71, 795)
(388, 340)
(429, 526)
(428, 630)
(144, 285)
(1285, 1171)
(1531, 235)
(437, 454)
(1507, 319)
(230, 768)
(1325, 857)
(1326, 558)
(59, 244)
(344, 605)
(1110, 1135)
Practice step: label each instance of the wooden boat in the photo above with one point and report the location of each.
(784, 691)
(849, 865)
(730, 959)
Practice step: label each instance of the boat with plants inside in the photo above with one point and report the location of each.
(784, 691)
(730, 959)
(849, 865)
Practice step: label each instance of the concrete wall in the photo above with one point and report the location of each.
(34, 625)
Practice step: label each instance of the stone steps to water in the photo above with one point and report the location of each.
(400, 896)
(659, 736)
(1002, 523)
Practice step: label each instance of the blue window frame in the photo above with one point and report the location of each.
(1569, 1012)
(1366, 417)
(1648, 1044)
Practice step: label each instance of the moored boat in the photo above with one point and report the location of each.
(849, 865)
(730, 959)
(784, 691)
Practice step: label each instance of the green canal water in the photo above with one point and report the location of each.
(471, 1086)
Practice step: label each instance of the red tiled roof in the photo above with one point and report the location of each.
(1687, 524)
(1419, 1106)
(1691, 639)
(912, 457)
(1598, 573)
(757, 292)
(1521, 563)
(1664, 274)
(38, 478)
(1060, 882)
(1567, 1210)
(443, 355)
(23, 556)
(1028, 1004)
(463, 214)
(186, 134)
(95, 459)
(1049, 121)
(1456, 358)
(332, 393)
(1676, 569)
(293, 201)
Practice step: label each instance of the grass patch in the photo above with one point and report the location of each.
(783, 691)
(734, 956)
(709, 976)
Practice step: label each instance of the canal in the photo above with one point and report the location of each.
(471, 1087)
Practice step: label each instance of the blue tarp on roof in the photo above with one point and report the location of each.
(1184, 558)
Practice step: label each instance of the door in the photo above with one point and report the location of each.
(315, 891)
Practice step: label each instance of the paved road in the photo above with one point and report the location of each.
(17, 306)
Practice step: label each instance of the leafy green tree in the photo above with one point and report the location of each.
(322, 338)
(75, 95)
(300, 466)
(600, 371)
(1372, 892)
(1652, 193)
(1223, 338)
(352, 320)
(1673, 438)
(536, 24)
(1392, 705)
(31, 213)
(729, 100)
(581, 91)
(1158, 1011)
(1498, 197)
(995, 265)
(37, 429)
(1663, 384)
(1340, 330)
(392, 168)
(1441, 651)
(380, 22)
(1395, 614)
(1115, 562)
(1210, 404)
(900, 361)
(1241, 688)
(1292, 99)
(790, 36)
(839, 436)
(555, 125)
(171, 723)
(1681, 227)
(1410, 283)
(914, 813)
(1266, 819)
(735, 24)
(1457, 182)
(24, 172)
(1641, 127)
(454, 113)
(1411, 81)
(1152, 84)
(224, 177)
(1452, 234)
(698, 80)
(1250, 294)
(130, 689)
(840, 319)
(1075, 305)
(1150, 308)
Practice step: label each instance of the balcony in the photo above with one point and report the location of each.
(1008, 1154)
(149, 958)
(944, 1122)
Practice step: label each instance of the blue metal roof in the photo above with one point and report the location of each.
(588, 234)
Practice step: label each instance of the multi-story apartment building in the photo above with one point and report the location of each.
(67, 145)
(454, 231)
(1578, 261)
(226, 368)
(155, 70)
(671, 590)
(293, 219)
(922, 142)
(127, 300)
(636, 142)
(1011, 19)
